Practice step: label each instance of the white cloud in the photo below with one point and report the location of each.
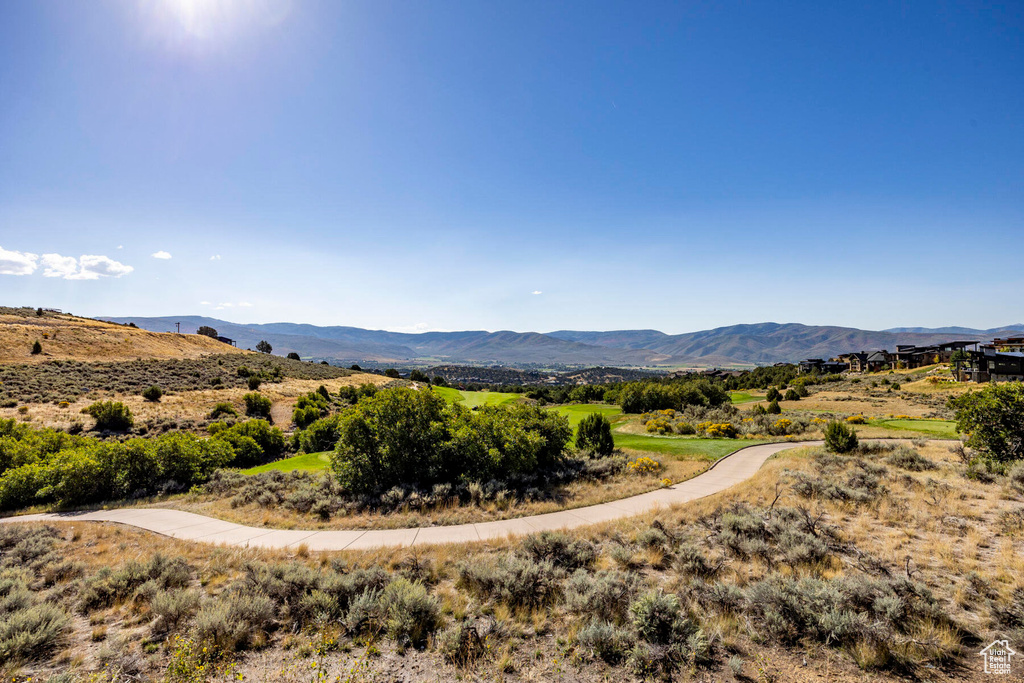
(86, 267)
(215, 257)
(120, 246)
(205, 303)
(245, 304)
(93, 267)
(17, 262)
(227, 305)
(537, 291)
(161, 255)
(55, 265)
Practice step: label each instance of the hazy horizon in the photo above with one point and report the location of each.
(458, 165)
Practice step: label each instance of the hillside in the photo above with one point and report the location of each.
(65, 337)
(760, 343)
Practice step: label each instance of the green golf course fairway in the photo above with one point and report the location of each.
(577, 411)
(309, 462)
(943, 429)
(743, 397)
(474, 399)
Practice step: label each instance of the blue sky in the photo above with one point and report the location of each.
(519, 165)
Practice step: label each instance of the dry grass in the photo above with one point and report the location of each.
(66, 337)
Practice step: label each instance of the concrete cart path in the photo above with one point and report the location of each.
(726, 472)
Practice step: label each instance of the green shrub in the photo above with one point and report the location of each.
(235, 621)
(293, 356)
(604, 639)
(909, 459)
(254, 382)
(409, 614)
(993, 420)
(560, 549)
(222, 409)
(31, 633)
(605, 594)
(792, 395)
(773, 394)
(840, 438)
(513, 580)
(773, 408)
(153, 393)
(257, 405)
(399, 436)
(111, 416)
(595, 434)
(173, 608)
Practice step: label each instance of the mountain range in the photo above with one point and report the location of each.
(759, 343)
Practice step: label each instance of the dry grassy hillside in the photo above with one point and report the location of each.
(66, 337)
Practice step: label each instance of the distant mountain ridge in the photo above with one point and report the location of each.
(758, 343)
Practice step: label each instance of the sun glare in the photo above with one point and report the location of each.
(211, 20)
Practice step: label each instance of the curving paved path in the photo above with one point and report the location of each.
(726, 472)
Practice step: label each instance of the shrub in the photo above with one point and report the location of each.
(595, 434)
(410, 615)
(643, 465)
(657, 617)
(111, 415)
(560, 549)
(605, 595)
(606, 640)
(257, 405)
(792, 395)
(772, 395)
(293, 356)
(32, 632)
(515, 581)
(254, 382)
(235, 621)
(773, 407)
(857, 420)
(173, 608)
(461, 643)
(153, 393)
(207, 331)
(909, 459)
(1015, 477)
(264, 346)
(839, 438)
(37, 348)
(222, 409)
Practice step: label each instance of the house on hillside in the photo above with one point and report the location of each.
(858, 361)
(877, 361)
(989, 365)
(226, 340)
(1009, 345)
(833, 366)
(911, 356)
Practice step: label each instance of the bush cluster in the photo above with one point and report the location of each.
(400, 436)
(643, 397)
(46, 466)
